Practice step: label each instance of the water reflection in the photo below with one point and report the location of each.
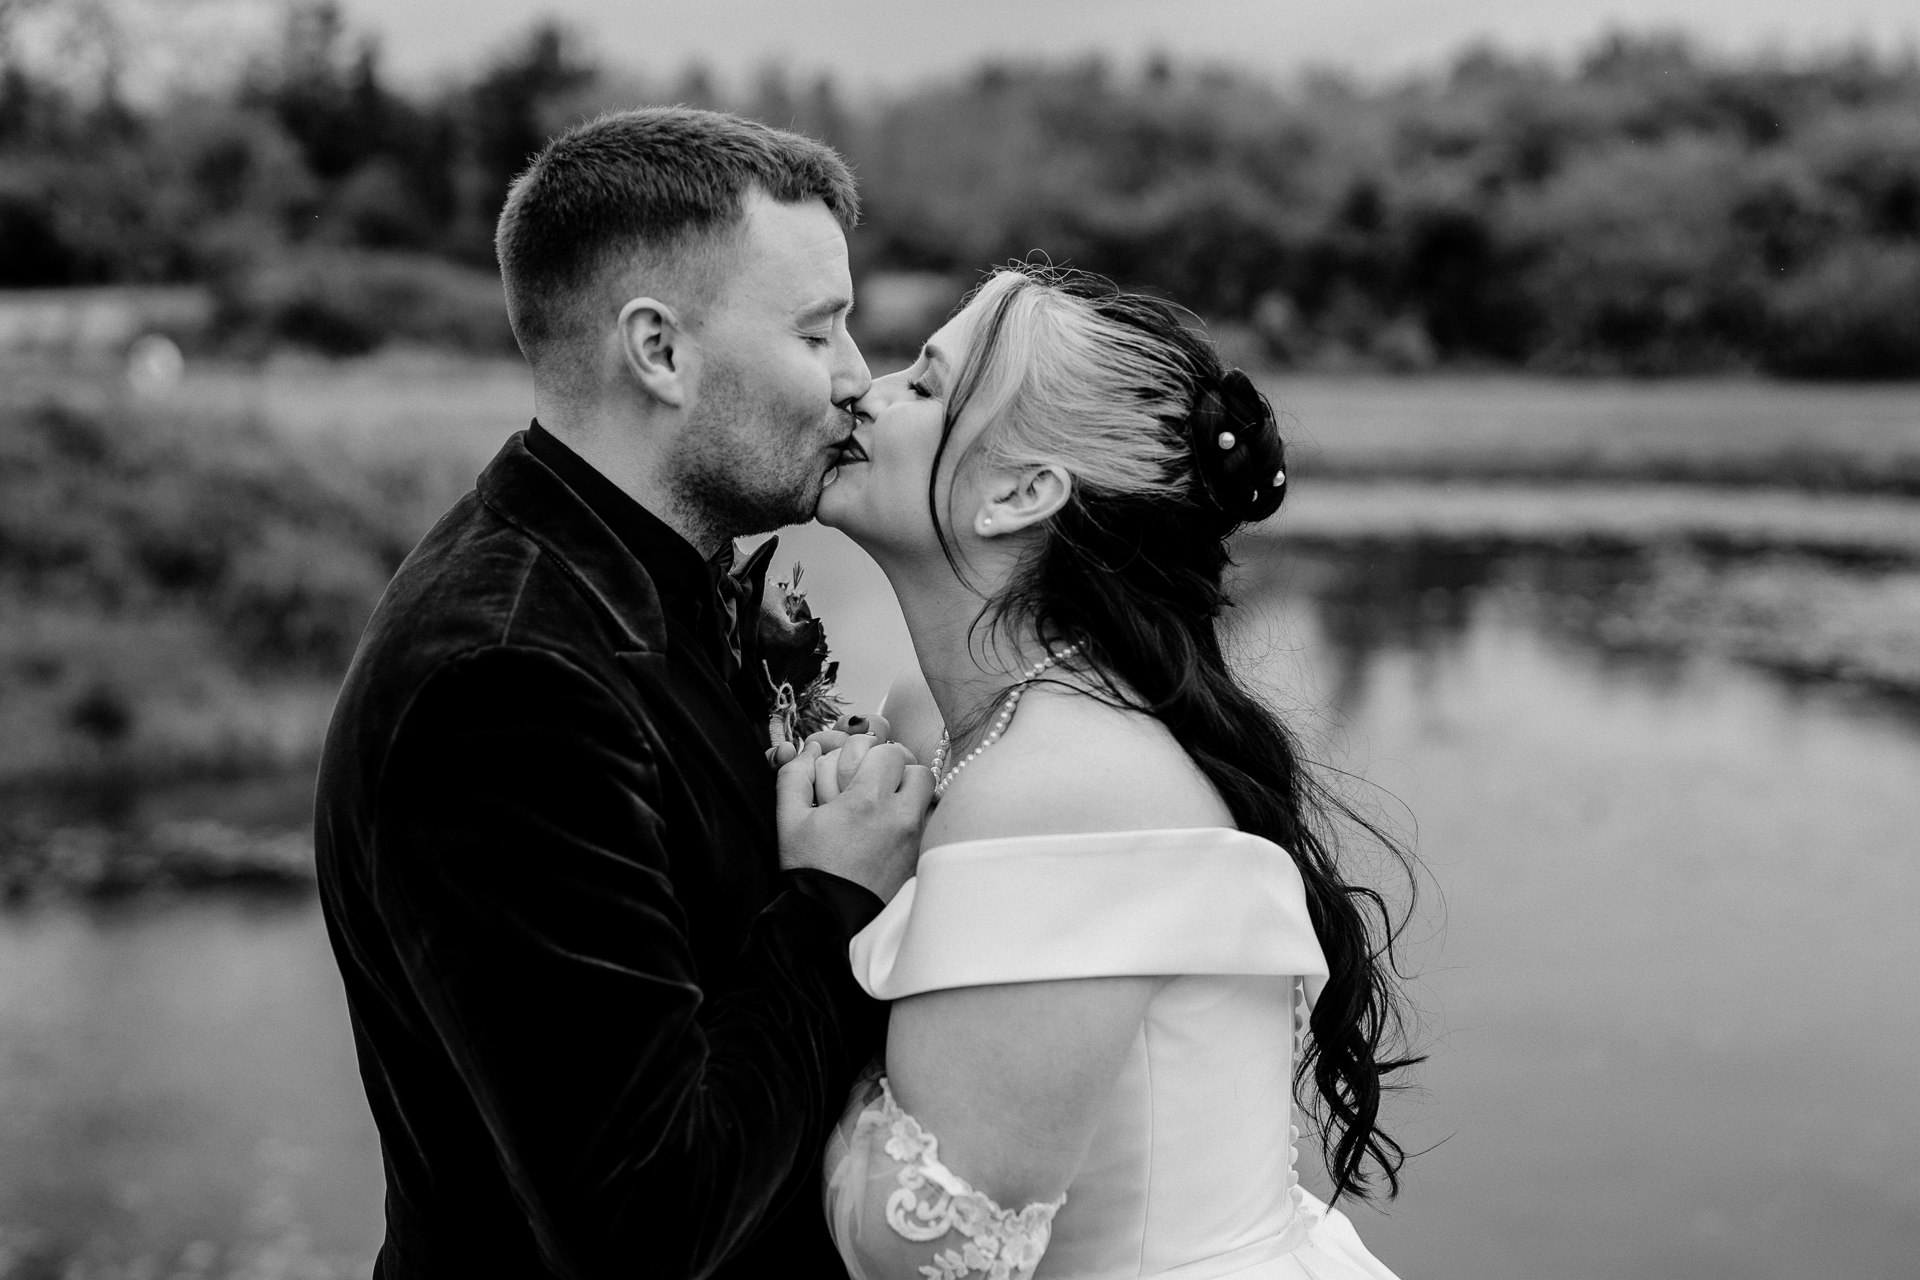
(177, 1084)
(1829, 625)
(1670, 975)
(1664, 1003)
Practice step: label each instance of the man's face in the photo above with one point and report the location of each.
(777, 365)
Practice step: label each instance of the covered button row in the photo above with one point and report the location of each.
(1293, 1160)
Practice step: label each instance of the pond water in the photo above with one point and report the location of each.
(1669, 974)
(1667, 970)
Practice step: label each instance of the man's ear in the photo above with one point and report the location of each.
(1022, 501)
(657, 349)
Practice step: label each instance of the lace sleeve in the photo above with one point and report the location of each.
(926, 1204)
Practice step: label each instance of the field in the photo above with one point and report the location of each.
(1853, 437)
(1733, 432)
(1747, 432)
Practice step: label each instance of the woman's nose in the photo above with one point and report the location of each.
(878, 395)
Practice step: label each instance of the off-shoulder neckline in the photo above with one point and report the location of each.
(1131, 837)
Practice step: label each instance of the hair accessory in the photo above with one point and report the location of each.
(1236, 445)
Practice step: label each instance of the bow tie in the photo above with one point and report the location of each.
(740, 592)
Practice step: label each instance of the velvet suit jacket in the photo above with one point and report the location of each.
(601, 1032)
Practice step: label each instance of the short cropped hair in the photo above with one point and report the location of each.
(645, 186)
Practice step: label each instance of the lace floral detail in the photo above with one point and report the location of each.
(932, 1200)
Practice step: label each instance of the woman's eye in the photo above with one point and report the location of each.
(920, 389)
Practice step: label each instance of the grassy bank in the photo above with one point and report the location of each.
(1721, 433)
(182, 580)
(181, 590)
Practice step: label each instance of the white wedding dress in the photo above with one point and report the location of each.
(1190, 1174)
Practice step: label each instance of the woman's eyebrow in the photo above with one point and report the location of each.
(934, 355)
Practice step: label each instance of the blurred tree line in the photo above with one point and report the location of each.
(1648, 210)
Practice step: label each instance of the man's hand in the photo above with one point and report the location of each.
(867, 830)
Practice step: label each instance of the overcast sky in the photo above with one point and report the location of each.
(875, 43)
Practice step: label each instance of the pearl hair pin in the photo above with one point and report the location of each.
(1226, 440)
(1000, 722)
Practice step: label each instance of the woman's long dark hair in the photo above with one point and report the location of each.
(1136, 580)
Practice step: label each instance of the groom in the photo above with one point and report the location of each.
(598, 977)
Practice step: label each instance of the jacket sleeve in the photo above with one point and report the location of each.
(646, 1127)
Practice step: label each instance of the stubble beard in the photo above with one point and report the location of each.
(748, 463)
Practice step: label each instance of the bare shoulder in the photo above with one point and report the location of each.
(1072, 763)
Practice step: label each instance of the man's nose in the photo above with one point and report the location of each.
(851, 377)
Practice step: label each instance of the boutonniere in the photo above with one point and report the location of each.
(794, 661)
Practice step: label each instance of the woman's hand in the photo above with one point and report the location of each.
(832, 739)
(837, 766)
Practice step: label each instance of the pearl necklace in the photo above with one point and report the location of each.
(1000, 723)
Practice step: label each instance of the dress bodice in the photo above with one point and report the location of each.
(1195, 1149)
(1190, 1172)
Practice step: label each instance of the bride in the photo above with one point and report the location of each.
(1126, 941)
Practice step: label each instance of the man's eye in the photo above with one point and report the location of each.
(816, 339)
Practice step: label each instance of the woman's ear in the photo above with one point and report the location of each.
(1022, 501)
(657, 350)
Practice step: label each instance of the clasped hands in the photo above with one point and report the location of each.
(852, 803)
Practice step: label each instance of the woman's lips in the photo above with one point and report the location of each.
(850, 451)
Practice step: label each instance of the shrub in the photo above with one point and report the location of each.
(284, 549)
(1854, 315)
(299, 598)
(31, 250)
(1633, 262)
(346, 302)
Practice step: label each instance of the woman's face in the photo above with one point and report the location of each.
(880, 500)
